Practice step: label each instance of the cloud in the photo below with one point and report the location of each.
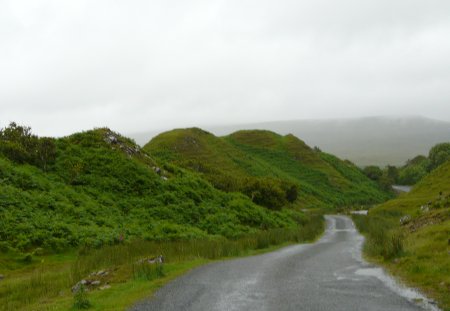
(136, 65)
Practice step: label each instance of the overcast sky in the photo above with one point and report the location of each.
(67, 66)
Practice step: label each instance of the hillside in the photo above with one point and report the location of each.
(364, 141)
(97, 188)
(421, 222)
(262, 162)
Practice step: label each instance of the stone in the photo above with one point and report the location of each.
(425, 208)
(157, 170)
(405, 219)
(76, 287)
(104, 287)
(2, 277)
(95, 283)
(153, 260)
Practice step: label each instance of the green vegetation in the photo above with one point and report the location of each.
(100, 188)
(272, 170)
(411, 235)
(385, 178)
(96, 201)
(47, 284)
(81, 300)
(414, 169)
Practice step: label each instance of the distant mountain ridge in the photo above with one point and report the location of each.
(364, 141)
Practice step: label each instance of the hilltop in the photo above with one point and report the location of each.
(364, 141)
(98, 188)
(260, 163)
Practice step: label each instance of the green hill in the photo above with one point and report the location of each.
(271, 169)
(411, 234)
(97, 187)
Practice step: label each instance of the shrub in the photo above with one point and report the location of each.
(381, 239)
(81, 300)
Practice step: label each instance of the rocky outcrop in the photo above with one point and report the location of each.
(94, 280)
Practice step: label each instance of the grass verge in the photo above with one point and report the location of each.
(419, 257)
(46, 285)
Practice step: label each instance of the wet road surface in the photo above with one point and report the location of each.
(327, 275)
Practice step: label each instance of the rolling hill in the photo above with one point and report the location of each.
(98, 188)
(364, 141)
(262, 162)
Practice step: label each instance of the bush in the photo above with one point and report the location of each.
(148, 271)
(439, 154)
(381, 240)
(81, 300)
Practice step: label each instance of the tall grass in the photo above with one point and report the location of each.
(381, 238)
(45, 285)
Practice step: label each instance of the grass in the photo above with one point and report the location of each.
(381, 241)
(47, 286)
(417, 250)
(231, 162)
(98, 192)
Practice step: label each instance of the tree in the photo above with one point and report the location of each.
(392, 173)
(438, 155)
(373, 172)
(46, 152)
(411, 174)
(18, 144)
(265, 192)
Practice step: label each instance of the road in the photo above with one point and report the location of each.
(327, 275)
(401, 188)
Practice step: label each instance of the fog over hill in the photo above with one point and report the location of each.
(365, 141)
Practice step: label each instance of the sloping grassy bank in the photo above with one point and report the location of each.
(272, 170)
(410, 235)
(45, 283)
(100, 188)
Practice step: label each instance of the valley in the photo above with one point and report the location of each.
(96, 202)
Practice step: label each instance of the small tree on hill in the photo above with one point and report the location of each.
(439, 154)
(46, 152)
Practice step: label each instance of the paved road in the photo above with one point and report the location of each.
(327, 275)
(401, 188)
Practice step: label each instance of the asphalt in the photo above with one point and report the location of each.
(327, 275)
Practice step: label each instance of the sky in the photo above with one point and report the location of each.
(67, 66)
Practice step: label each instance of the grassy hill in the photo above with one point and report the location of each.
(260, 163)
(364, 141)
(411, 234)
(99, 188)
(94, 202)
